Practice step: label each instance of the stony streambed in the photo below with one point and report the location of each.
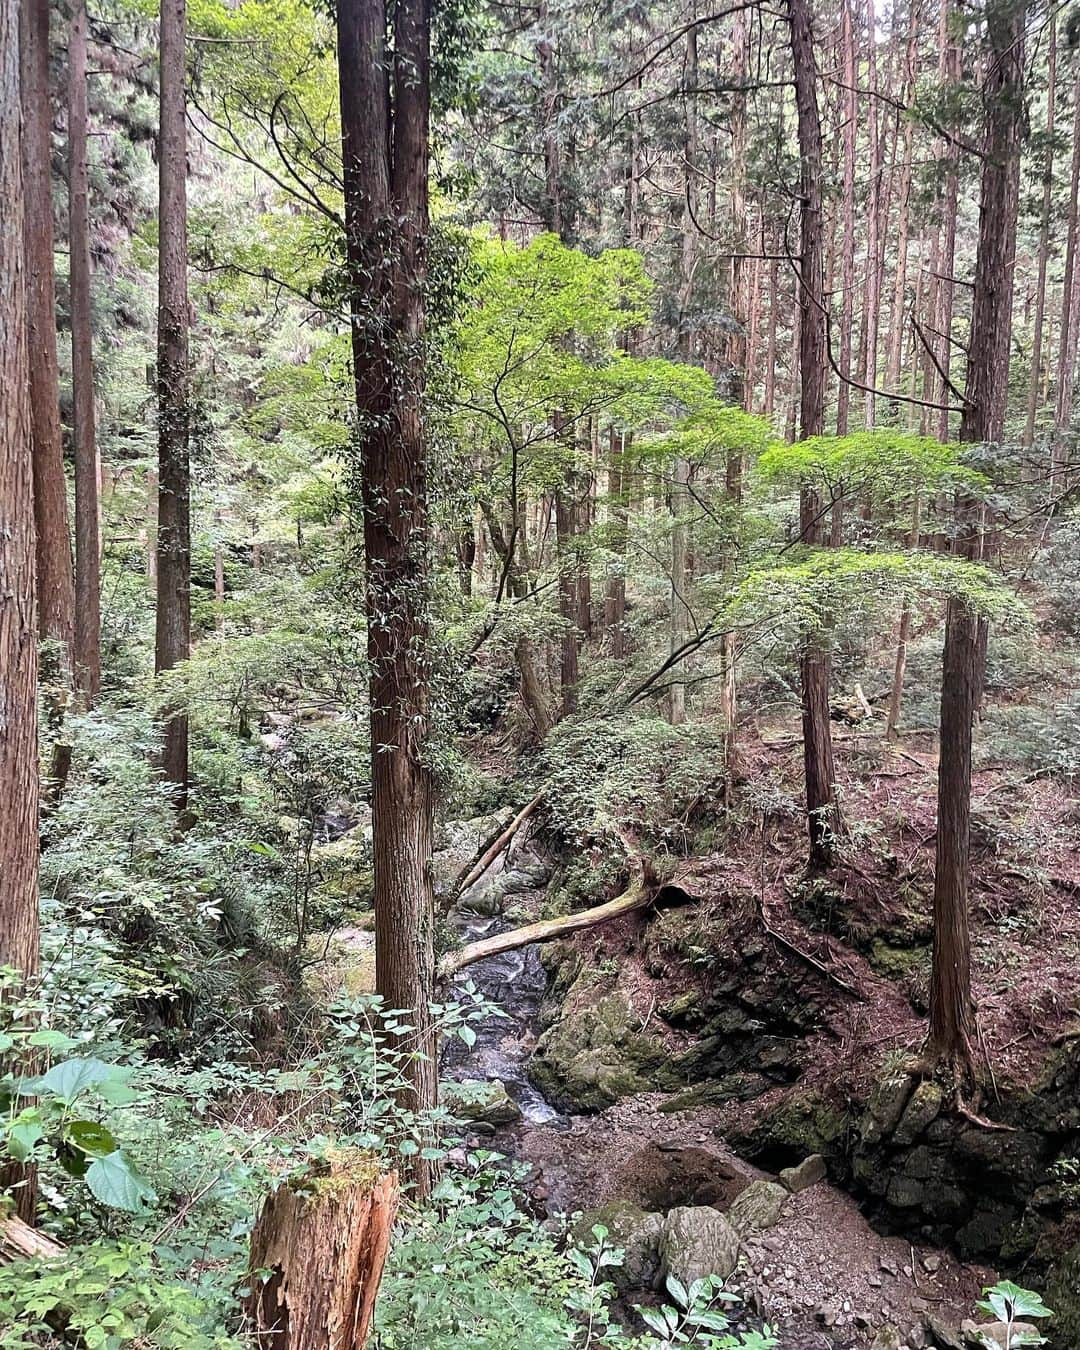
(670, 1190)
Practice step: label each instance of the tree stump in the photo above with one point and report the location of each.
(317, 1255)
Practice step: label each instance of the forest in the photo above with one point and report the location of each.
(539, 652)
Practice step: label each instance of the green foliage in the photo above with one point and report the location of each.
(1009, 1303)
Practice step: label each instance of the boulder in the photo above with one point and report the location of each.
(636, 1231)
(758, 1207)
(596, 1053)
(478, 1101)
(808, 1173)
(697, 1241)
(888, 1338)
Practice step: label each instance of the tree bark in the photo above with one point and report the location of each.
(814, 664)
(615, 596)
(172, 643)
(324, 1240)
(87, 464)
(386, 212)
(872, 290)
(847, 266)
(1035, 379)
(568, 598)
(55, 577)
(678, 609)
(983, 417)
(1070, 293)
(19, 924)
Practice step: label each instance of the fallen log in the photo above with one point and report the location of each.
(491, 851)
(317, 1254)
(20, 1242)
(642, 892)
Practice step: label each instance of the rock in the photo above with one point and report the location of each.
(695, 1242)
(922, 1109)
(995, 1335)
(636, 1231)
(942, 1335)
(888, 1338)
(757, 1207)
(808, 1173)
(478, 1101)
(885, 1107)
(596, 1053)
(889, 1266)
(931, 1261)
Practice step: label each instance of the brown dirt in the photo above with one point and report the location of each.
(822, 1260)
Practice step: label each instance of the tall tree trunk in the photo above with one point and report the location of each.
(55, 578)
(678, 610)
(847, 266)
(568, 597)
(896, 696)
(615, 596)
(386, 211)
(944, 291)
(173, 633)
(18, 617)
(1035, 378)
(814, 663)
(903, 226)
(739, 291)
(1070, 293)
(87, 465)
(983, 418)
(677, 607)
(872, 290)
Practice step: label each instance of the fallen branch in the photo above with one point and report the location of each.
(494, 848)
(642, 892)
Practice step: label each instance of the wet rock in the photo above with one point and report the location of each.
(636, 1231)
(808, 1173)
(758, 1207)
(481, 1102)
(922, 1109)
(695, 1242)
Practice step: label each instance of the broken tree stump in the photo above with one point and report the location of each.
(317, 1254)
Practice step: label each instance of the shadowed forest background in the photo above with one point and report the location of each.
(539, 632)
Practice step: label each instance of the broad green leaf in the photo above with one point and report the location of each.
(91, 1138)
(115, 1183)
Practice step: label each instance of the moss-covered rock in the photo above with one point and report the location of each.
(1063, 1295)
(697, 1242)
(636, 1231)
(596, 1053)
(476, 1100)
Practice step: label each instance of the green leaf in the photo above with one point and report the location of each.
(22, 1138)
(73, 1076)
(115, 1183)
(91, 1138)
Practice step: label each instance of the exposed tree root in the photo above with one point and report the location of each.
(805, 957)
